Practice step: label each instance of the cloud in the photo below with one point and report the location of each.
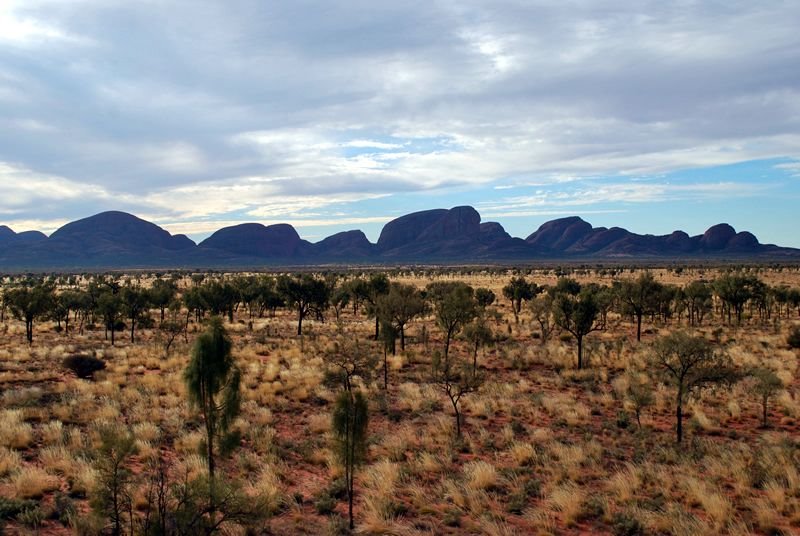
(264, 109)
(620, 193)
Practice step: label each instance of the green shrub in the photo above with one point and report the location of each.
(84, 366)
(793, 340)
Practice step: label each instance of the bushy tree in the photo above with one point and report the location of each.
(575, 311)
(734, 289)
(698, 300)
(135, 302)
(689, 364)
(541, 308)
(307, 294)
(400, 306)
(517, 291)
(766, 386)
(162, 294)
(109, 306)
(30, 303)
(453, 306)
(640, 297)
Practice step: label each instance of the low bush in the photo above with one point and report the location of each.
(84, 366)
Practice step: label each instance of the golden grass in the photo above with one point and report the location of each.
(32, 482)
(14, 433)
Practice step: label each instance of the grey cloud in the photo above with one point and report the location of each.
(145, 98)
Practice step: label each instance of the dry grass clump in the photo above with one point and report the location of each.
(567, 499)
(10, 461)
(480, 475)
(626, 482)
(522, 453)
(32, 482)
(266, 488)
(379, 502)
(14, 432)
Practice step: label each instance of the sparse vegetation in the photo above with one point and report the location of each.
(482, 422)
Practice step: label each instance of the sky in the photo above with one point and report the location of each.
(649, 115)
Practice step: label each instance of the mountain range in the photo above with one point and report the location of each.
(120, 240)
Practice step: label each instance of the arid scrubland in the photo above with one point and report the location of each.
(111, 440)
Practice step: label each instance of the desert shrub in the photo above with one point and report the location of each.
(623, 524)
(793, 339)
(11, 508)
(325, 501)
(64, 509)
(84, 366)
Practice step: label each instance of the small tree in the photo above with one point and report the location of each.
(517, 291)
(454, 307)
(111, 499)
(134, 303)
(30, 303)
(307, 294)
(690, 364)
(212, 381)
(478, 334)
(350, 418)
(109, 306)
(370, 292)
(542, 310)
(766, 385)
(162, 294)
(457, 379)
(398, 307)
(640, 394)
(484, 297)
(640, 297)
(575, 311)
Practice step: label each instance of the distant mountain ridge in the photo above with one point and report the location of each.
(120, 240)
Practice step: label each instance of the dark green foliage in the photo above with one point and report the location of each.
(766, 385)
(640, 297)
(575, 310)
(454, 307)
(793, 339)
(623, 524)
(484, 297)
(84, 366)
(11, 508)
(397, 308)
(29, 303)
(307, 294)
(517, 291)
(213, 385)
(111, 499)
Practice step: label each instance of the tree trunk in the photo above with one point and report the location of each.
(385, 370)
(638, 327)
(679, 415)
(402, 338)
(580, 352)
(458, 417)
(299, 322)
(133, 328)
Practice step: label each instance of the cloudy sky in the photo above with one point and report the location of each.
(341, 115)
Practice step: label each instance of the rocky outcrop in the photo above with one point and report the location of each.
(279, 241)
(120, 240)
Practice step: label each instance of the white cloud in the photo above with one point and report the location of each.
(21, 187)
